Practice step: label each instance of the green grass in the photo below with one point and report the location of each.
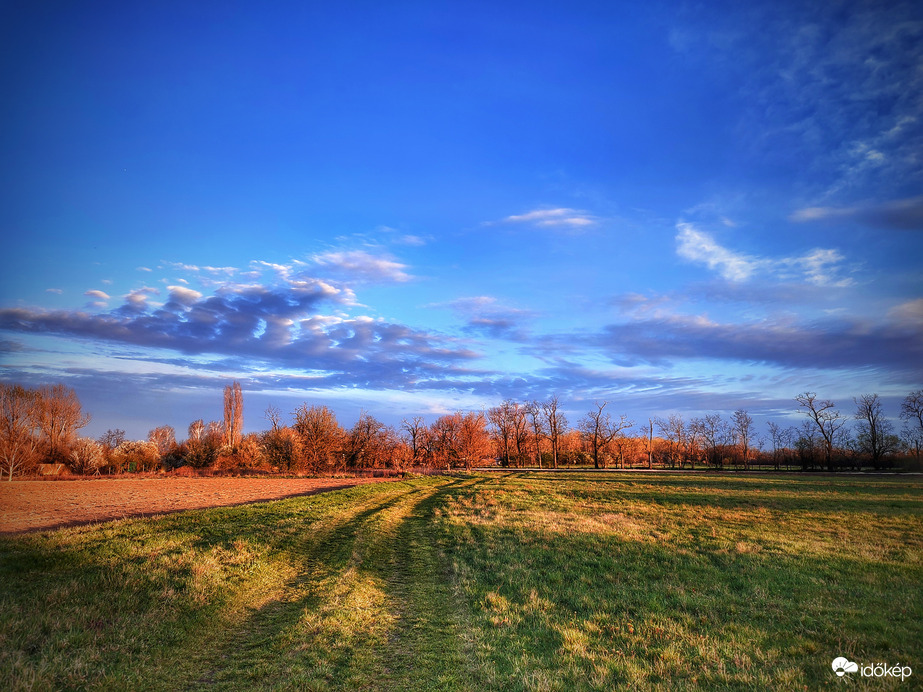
(505, 581)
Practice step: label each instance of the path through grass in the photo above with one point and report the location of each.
(512, 581)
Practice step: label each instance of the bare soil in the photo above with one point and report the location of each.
(40, 505)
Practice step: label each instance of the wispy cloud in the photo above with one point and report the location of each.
(488, 316)
(820, 266)
(362, 266)
(101, 299)
(902, 214)
(837, 82)
(908, 315)
(573, 219)
(699, 247)
(665, 338)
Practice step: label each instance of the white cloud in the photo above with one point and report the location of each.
(909, 314)
(820, 266)
(57, 291)
(363, 266)
(97, 294)
(696, 246)
(183, 295)
(821, 213)
(227, 271)
(561, 217)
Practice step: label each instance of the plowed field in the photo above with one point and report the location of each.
(38, 505)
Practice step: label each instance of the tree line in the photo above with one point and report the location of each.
(41, 426)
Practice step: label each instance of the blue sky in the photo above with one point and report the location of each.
(412, 208)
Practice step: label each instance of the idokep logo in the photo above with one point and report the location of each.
(842, 665)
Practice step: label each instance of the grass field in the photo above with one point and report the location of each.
(504, 581)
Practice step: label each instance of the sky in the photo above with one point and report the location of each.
(412, 208)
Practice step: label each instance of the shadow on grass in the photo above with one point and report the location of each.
(124, 599)
(401, 641)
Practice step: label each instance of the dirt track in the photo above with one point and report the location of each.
(39, 505)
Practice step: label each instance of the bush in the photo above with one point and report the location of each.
(133, 456)
(86, 456)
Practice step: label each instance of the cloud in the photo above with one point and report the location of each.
(97, 294)
(820, 266)
(180, 295)
(282, 323)
(901, 214)
(487, 316)
(699, 247)
(359, 265)
(573, 219)
(56, 291)
(832, 91)
(896, 343)
(908, 315)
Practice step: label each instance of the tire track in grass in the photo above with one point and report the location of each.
(424, 649)
(252, 652)
(370, 607)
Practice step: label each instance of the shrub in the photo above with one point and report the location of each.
(134, 456)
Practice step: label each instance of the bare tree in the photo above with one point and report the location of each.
(912, 415)
(19, 418)
(502, 419)
(534, 412)
(109, 441)
(203, 442)
(321, 437)
(778, 438)
(520, 431)
(133, 456)
(60, 417)
(742, 426)
(444, 437)
(473, 438)
(599, 430)
(808, 445)
(827, 419)
(164, 437)
(233, 414)
(274, 416)
(713, 432)
(367, 443)
(86, 456)
(416, 433)
(675, 433)
(196, 432)
(876, 434)
(280, 447)
(555, 425)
